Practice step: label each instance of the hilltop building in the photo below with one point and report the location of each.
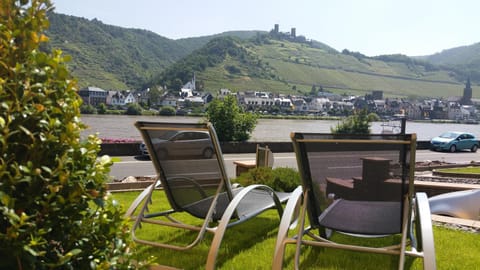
(292, 35)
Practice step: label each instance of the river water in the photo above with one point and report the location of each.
(273, 130)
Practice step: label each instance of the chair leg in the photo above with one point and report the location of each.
(140, 198)
(301, 227)
(424, 223)
(288, 221)
(403, 244)
(224, 222)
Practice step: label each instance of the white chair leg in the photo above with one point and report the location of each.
(424, 220)
(288, 219)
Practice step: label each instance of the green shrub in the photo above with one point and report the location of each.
(280, 179)
(167, 111)
(134, 109)
(54, 206)
(358, 123)
(88, 109)
(230, 121)
(102, 108)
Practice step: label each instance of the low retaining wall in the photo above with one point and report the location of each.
(133, 149)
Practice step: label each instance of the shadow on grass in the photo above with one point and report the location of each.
(236, 240)
(331, 258)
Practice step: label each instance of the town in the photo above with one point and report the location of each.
(317, 103)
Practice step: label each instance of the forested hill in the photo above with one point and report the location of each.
(464, 59)
(113, 57)
(109, 56)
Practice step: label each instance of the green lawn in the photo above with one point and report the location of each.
(472, 170)
(251, 244)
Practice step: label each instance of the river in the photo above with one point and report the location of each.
(273, 130)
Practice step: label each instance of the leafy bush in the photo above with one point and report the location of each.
(55, 209)
(102, 108)
(134, 109)
(359, 123)
(167, 111)
(229, 120)
(280, 179)
(88, 109)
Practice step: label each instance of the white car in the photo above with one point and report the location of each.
(460, 204)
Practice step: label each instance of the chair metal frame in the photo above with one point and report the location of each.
(139, 209)
(263, 156)
(416, 219)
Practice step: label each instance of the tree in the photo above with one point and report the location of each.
(154, 95)
(358, 123)
(55, 210)
(229, 120)
(313, 91)
(176, 84)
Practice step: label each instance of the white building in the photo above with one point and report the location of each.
(319, 104)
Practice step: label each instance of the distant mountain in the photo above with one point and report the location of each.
(112, 57)
(267, 63)
(109, 56)
(465, 60)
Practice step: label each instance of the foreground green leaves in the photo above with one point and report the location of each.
(54, 207)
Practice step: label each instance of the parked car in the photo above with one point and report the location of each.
(181, 144)
(459, 204)
(453, 141)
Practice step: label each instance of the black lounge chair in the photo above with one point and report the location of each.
(360, 185)
(191, 172)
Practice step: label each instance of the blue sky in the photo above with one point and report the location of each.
(372, 27)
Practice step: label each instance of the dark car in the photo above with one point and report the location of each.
(453, 141)
(181, 144)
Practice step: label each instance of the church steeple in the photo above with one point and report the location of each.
(467, 94)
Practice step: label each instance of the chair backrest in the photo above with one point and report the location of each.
(264, 156)
(376, 167)
(189, 163)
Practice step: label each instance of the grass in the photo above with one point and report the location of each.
(116, 159)
(471, 170)
(250, 246)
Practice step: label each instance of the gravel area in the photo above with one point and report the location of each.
(448, 179)
(455, 226)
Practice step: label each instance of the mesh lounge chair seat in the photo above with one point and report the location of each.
(191, 172)
(362, 217)
(373, 177)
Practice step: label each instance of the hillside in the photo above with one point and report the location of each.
(113, 57)
(283, 66)
(108, 56)
(465, 60)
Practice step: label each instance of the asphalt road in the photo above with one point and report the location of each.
(141, 166)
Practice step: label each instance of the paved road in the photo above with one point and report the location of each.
(137, 166)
